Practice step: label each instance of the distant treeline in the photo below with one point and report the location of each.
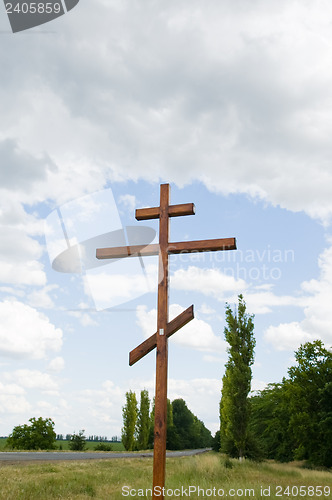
(103, 439)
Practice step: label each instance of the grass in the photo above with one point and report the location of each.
(104, 479)
(89, 445)
(64, 445)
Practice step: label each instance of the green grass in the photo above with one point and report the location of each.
(104, 479)
(89, 446)
(64, 445)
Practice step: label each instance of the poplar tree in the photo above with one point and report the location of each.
(143, 421)
(236, 382)
(129, 415)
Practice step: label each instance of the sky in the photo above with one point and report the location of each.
(227, 101)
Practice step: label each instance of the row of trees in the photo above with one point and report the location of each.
(93, 438)
(292, 420)
(184, 429)
(286, 421)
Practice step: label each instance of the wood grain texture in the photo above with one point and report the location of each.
(173, 211)
(128, 251)
(202, 246)
(160, 422)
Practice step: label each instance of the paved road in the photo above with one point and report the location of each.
(30, 456)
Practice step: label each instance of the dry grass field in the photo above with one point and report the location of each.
(203, 476)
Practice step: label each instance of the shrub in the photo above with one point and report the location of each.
(103, 447)
(77, 441)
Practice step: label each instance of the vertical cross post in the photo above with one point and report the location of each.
(160, 428)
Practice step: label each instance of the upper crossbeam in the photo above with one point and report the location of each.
(173, 211)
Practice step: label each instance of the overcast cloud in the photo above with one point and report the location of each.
(236, 95)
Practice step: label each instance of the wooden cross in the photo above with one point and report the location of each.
(164, 328)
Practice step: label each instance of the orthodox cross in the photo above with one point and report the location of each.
(164, 328)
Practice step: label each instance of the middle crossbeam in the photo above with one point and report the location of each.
(172, 248)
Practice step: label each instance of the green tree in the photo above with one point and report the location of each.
(77, 441)
(129, 415)
(183, 421)
(234, 404)
(269, 422)
(187, 431)
(293, 419)
(39, 435)
(143, 421)
(216, 441)
(307, 391)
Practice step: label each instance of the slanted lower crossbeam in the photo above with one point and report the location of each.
(173, 326)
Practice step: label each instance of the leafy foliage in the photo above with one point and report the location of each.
(293, 420)
(186, 431)
(129, 415)
(103, 447)
(143, 421)
(39, 435)
(216, 442)
(234, 404)
(77, 441)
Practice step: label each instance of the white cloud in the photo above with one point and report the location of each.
(129, 202)
(206, 309)
(287, 336)
(41, 298)
(27, 273)
(12, 399)
(11, 404)
(26, 333)
(263, 302)
(33, 379)
(211, 282)
(120, 282)
(316, 298)
(11, 389)
(19, 254)
(84, 318)
(102, 405)
(56, 365)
